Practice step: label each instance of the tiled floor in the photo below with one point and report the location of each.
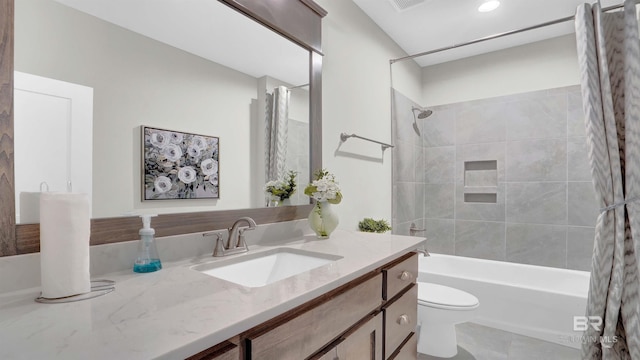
(477, 342)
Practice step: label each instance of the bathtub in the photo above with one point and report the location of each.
(529, 300)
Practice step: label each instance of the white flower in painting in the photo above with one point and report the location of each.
(160, 139)
(187, 174)
(162, 184)
(172, 152)
(209, 166)
(199, 142)
(194, 151)
(214, 141)
(214, 180)
(176, 137)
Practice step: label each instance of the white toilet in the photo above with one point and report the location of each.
(439, 309)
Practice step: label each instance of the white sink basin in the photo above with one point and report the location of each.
(264, 268)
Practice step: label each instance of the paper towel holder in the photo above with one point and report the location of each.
(98, 288)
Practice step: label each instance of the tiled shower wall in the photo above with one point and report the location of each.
(545, 209)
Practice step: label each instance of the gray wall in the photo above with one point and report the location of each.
(545, 209)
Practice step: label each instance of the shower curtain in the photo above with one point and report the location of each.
(277, 120)
(609, 57)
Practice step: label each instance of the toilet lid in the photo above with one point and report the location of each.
(443, 295)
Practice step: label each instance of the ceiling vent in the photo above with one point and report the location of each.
(402, 5)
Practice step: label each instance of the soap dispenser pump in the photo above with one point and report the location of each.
(147, 259)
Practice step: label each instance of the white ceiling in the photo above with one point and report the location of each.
(435, 24)
(209, 29)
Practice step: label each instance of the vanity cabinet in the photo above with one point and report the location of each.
(302, 333)
(372, 317)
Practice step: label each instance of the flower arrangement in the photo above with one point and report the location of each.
(324, 188)
(179, 165)
(374, 226)
(279, 190)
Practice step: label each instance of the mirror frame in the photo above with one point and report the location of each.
(296, 20)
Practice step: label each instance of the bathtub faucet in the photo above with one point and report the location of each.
(423, 251)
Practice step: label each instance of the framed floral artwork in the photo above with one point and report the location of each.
(178, 165)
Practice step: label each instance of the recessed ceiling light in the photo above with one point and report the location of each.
(489, 6)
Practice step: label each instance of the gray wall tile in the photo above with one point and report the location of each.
(419, 201)
(537, 203)
(439, 201)
(578, 165)
(543, 177)
(400, 228)
(580, 247)
(480, 211)
(439, 165)
(538, 117)
(575, 114)
(536, 160)
(404, 162)
(480, 152)
(402, 119)
(418, 167)
(440, 236)
(543, 245)
(583, 208)
(481, 124)
(404, 202)
(479, 239)
(439, 128)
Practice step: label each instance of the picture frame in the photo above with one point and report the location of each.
(179, 165)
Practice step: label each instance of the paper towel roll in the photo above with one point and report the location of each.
(29, 207)
(65, 229)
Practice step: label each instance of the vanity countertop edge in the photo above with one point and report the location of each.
(177, 312)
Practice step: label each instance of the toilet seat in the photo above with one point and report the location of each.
(444, 297)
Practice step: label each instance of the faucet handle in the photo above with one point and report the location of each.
(242, 243)
(218, 249)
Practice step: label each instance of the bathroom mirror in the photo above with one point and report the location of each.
(304, 29)
(203, 68)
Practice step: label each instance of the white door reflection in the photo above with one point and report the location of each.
(53, 132)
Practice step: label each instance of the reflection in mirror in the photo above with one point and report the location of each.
(202, 69)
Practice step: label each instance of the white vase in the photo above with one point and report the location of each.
(323, 220)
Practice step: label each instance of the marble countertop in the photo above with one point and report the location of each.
(178, 312)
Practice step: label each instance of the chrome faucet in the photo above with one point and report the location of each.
(235, 243)
(236, 233)
(423, 251)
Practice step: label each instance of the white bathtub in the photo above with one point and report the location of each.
(534, 301)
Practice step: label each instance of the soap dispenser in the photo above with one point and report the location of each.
(147, 259)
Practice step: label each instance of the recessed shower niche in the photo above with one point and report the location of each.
(481, 181)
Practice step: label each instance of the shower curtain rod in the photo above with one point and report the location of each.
(499, 35)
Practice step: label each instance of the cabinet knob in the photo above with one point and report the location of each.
(403, 319)
(405, 275)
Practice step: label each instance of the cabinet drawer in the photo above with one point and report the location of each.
(399, 277)
(409, 350)
(400, 320)
(222, 351)
(303, 335)
(364, 342)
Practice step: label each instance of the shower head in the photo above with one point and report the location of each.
(423, 113)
